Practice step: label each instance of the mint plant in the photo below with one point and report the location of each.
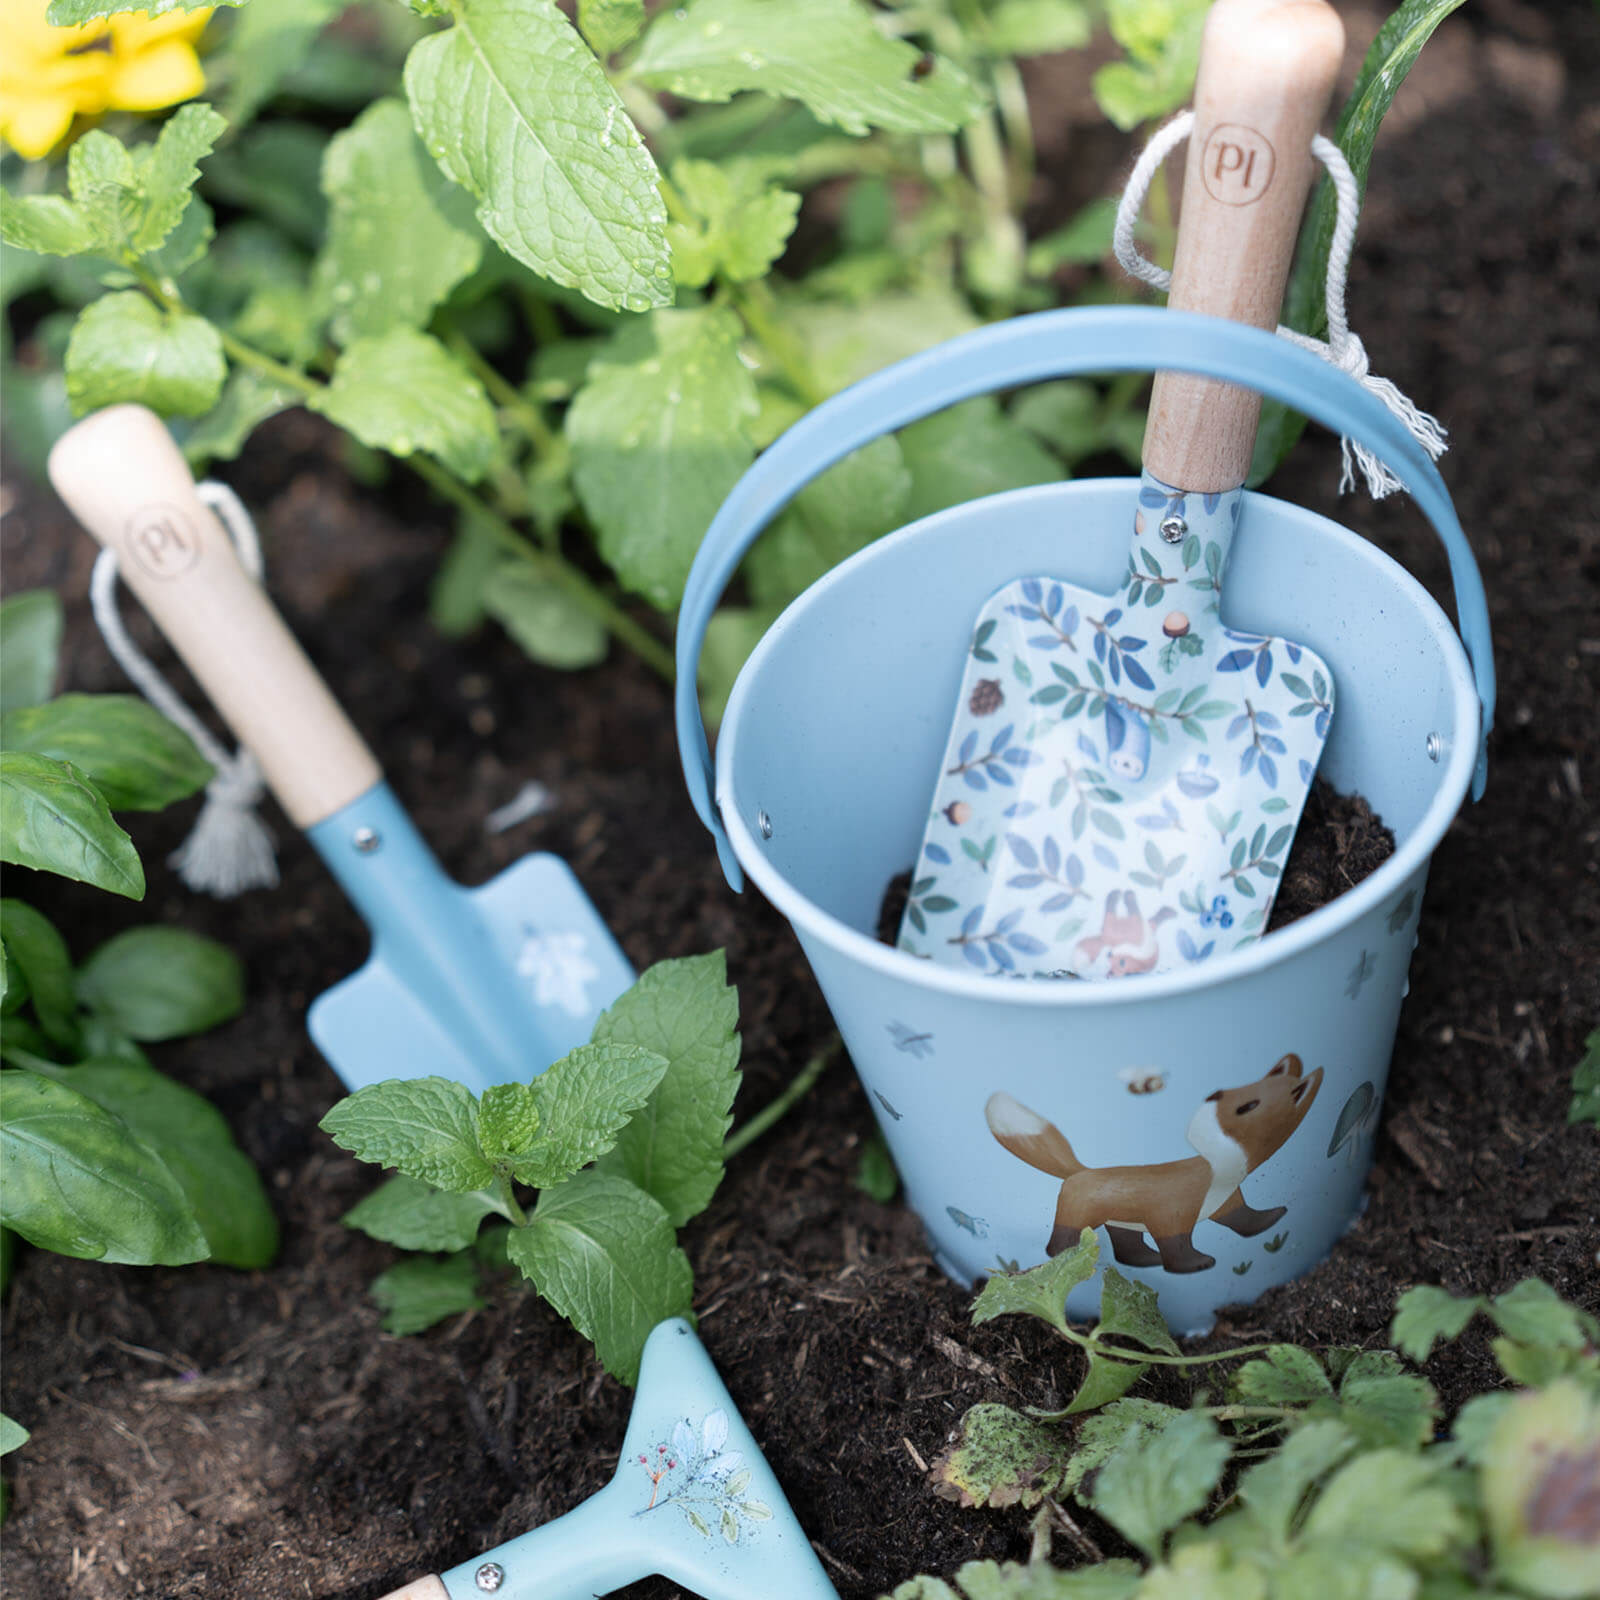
(623, 1140)
(1325, 1473)
(593, 324)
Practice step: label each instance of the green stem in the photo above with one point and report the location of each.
(1155, 1358)
(510, 1207)
(551, 567)
(774, 1110)
(755, 303)
(505, 394)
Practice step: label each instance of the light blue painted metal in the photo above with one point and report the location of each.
(487, 985)
(1053, 344)
(693, 1499)
(980, 1084)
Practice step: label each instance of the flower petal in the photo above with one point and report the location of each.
(158, 77)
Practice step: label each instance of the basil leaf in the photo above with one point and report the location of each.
(53, 819)
(162, 983)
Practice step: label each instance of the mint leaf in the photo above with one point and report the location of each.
(1391, 1500)
(508, 1120)
(545, 619)
(137, 759)
(124, 347)
(1424, 1315)
(1585, 1105)
(1040, 1291)
(30, 647)
(829, 54)
(1163, 45)
(657, 436)
(967, 451)
(1152, 1481)
(53, 819)
(162, 983)
(1286, 1376)
(739, 226)
(246, 401)
(65, 13)
(999, 1458)
(40, 954)
(48, 224)
(417, 1294)
(415, 1216)
(1532, 1313)
(604, 1254)
(584, 1100)
(854, 502)
(426, 1128)
(265, 45)
(191, 1139)
(1275, 1489)
(382, 188)
(686, 1011)
(456, 602)
(846, 342)
(516, 110)
(167, 170)
(1035, 27)
(79, 1184)
(402, 391)
(12, 1434)
(609, 25)
(1206, 1571)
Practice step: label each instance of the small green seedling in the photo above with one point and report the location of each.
(1312, 1473)
(623, 1140)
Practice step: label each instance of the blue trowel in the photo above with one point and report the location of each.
(486, 985)
(693, 1499)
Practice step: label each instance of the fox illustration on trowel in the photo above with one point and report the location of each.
(1234, 1131)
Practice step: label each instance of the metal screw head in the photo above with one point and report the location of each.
(764, 823)
(489, 1576)
(366, 840)
(1435, 747)
(1173, 529)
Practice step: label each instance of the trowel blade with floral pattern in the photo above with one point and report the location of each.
(1124, 773)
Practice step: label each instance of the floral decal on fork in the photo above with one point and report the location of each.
(705, 1481)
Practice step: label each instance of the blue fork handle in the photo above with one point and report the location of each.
(1056, 344)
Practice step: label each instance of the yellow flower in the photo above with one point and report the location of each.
(50, 75)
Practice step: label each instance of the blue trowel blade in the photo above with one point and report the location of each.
(487, 985)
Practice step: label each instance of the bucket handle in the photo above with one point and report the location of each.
(1031, 349)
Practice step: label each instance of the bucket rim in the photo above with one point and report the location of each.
(1409, 858)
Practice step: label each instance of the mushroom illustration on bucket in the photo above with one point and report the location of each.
(1213, 1121)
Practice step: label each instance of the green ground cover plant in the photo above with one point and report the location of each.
(105, 1157)
(1295, 1472)
(552, 263)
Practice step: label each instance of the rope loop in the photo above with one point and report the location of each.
(1342, 349)
(229, 849)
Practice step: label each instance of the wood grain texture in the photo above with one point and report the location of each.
(125, 481)
(422, 1589)
(1267, 69)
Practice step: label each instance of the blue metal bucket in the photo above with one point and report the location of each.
(1215, 1123)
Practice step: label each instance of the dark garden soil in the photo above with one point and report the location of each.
(204, 1432)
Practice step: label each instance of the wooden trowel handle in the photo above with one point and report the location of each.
(125, 481)
(422, 1589)
(1267, 69)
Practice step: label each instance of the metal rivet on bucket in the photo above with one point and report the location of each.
(1173, 529)
(367, 840)
(764, 823)
(489, 1576)
(1435, 747)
